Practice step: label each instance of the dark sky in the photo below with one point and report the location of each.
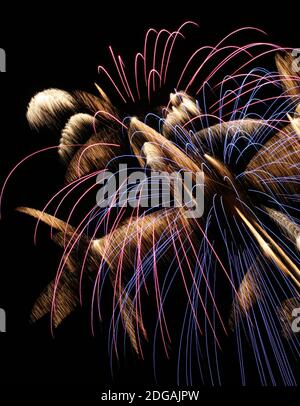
(51, 46)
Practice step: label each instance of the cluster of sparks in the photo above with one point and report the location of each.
(237, 265)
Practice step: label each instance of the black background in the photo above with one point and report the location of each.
(61, 46)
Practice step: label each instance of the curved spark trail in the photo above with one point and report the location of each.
(180, 284)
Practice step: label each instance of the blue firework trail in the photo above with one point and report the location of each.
(235, 270)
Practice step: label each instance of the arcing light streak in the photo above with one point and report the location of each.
(228, 274)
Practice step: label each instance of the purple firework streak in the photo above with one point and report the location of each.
(234, 271)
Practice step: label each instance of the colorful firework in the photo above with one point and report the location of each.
(234, 270)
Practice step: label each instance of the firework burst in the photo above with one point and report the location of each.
(235, 270)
